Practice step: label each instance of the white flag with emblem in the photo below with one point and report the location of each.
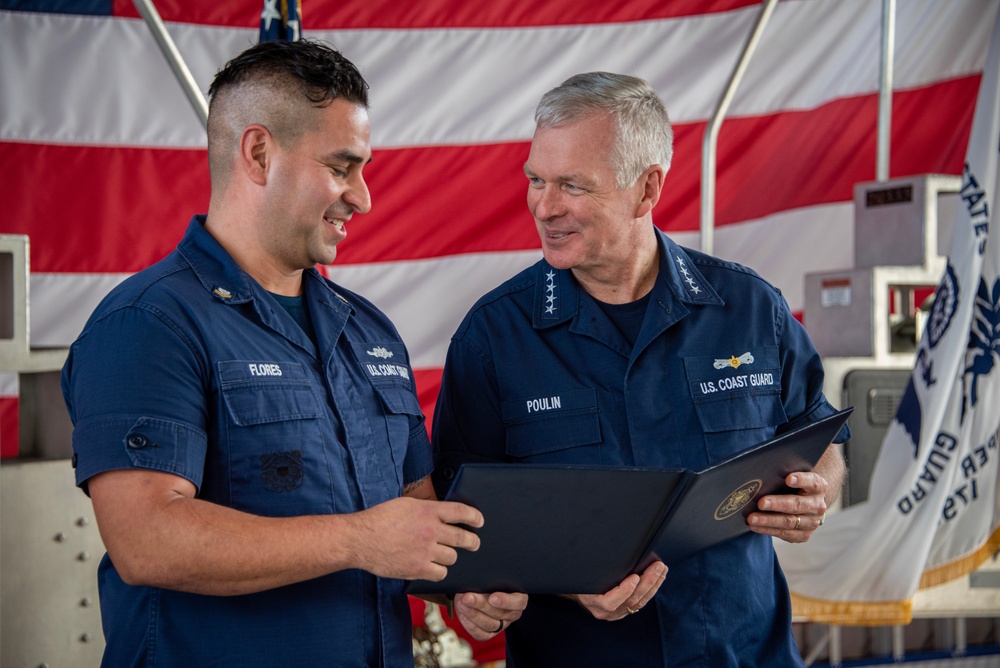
(933, 511)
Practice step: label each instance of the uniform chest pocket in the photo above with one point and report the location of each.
(552, 425)
(253, 402)
(401, 406)
(273, 460)
(737, 398)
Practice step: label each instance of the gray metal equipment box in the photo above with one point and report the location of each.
(903, 222)
(875, 395)
(898, 229)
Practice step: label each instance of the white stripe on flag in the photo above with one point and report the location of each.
(440, 94)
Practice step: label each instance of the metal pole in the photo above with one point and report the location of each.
(836, 646)
(885, 90)
(174, 59)
(961, 638)
(816, 651)
(898, 643)
(711, 140)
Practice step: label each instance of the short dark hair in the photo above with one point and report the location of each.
(275, 84)
(322, 73)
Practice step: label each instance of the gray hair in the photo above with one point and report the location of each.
(643, 135)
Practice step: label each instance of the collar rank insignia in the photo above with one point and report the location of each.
(550, 293)
(222, 292)
(692, 286)
(733, 361)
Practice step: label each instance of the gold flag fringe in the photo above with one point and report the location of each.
(889, 613)
(956, 569)
(852, 613)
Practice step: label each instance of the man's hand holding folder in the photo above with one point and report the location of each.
(794, 517)
(601, 534)
(629, 597)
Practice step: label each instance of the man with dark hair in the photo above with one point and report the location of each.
(659, 356)
(248, 431)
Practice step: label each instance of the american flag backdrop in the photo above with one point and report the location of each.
(103, 160)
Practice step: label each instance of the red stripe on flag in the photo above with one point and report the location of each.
(438, 201)
(101, 209)
(361, 14)
(10, 422)
(428, 382)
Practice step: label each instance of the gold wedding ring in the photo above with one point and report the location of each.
(798, 522)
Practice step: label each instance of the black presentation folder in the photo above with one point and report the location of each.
(553, 529)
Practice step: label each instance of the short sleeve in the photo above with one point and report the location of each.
(802, 376)
(419, 460)
(468, 425)
(134, 386)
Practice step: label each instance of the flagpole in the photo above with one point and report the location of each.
(885, 91)
(155, 24)
(711, 139)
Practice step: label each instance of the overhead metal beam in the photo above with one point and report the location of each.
(710, 142)
(885, 91)
(155, 24)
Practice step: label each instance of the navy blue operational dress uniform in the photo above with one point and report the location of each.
(710, 363)
(190, 367)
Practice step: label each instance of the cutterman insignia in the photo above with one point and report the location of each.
(733, 361)
(380, 352)
(740, 497)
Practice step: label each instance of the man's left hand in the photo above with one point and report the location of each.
(792, 517)
(485, 615)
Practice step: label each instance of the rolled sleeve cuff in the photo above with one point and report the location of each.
(129, 442)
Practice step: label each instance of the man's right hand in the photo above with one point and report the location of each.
(630, 596)
(412, 538)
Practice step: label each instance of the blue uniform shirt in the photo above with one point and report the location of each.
(538, 373)
(192, 368)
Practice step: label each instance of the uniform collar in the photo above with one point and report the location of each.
(224, 278)
(557, 292)
(213, 265)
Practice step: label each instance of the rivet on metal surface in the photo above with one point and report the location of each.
(83, 556)
(59, 537)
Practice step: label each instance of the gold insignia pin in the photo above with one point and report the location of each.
(222, 292)
(734, 361)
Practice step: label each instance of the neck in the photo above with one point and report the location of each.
(625, 280)
(241, 244)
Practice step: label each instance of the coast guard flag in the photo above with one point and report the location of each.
(933, 511)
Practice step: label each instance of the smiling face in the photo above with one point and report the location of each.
(585, 222)
(315, 187)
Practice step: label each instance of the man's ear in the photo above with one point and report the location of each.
(256, 144)
(652, 187)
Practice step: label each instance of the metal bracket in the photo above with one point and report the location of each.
(15, 312)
